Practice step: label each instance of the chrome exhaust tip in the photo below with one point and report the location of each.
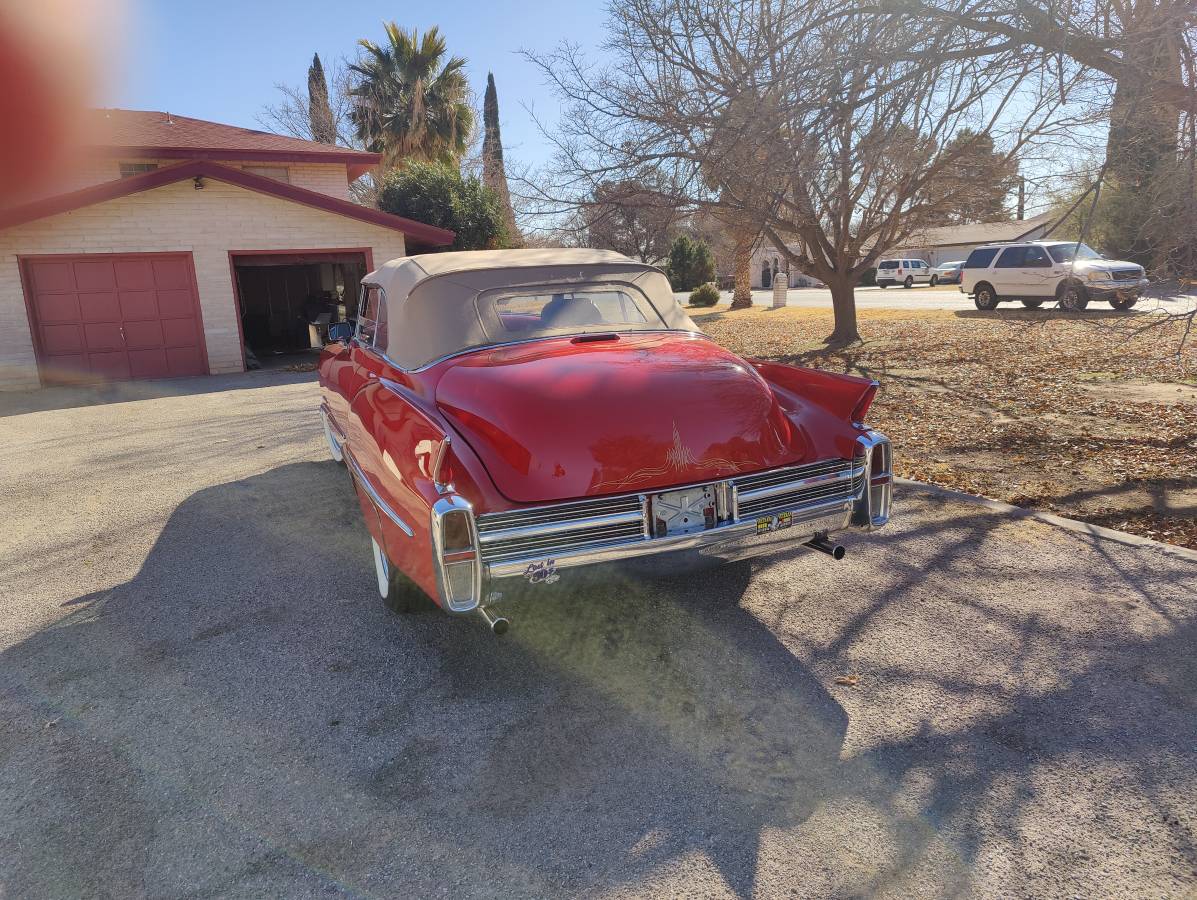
(835, 551)
(498, 624)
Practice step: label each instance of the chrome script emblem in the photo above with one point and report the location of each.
(543, 572)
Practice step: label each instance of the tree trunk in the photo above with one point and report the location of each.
(843, 303)
(742, 295)
(1140, 149)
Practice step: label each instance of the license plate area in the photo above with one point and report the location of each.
(684, 511)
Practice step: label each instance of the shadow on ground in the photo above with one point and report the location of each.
(15, 403)
(243, 717)
(245, 713)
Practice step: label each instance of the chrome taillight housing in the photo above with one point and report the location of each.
(876, 496)
(455, 554)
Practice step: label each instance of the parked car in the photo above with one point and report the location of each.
(947, 273)
(1033, 272)
(906, 272)
(516, 419)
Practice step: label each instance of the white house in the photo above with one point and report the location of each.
(950, 243)
(767, 261)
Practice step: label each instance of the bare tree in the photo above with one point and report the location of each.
(630, 218)
(824, 129)
(1134, 42)
(1140, 49)
(292, 115)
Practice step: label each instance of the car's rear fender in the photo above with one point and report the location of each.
(412, 460)
(847, 396)
(838, 402)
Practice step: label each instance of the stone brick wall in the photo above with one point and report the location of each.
(207, 223)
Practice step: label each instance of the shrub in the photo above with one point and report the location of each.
(868, 277)
(690, 264)
(437, 194)
(704, 295)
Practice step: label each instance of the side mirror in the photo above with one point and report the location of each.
(340, 332)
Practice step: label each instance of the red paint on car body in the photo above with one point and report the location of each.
(557, 419)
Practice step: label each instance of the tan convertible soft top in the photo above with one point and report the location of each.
(431, 298)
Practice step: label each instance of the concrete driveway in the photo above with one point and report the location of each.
(201, 695)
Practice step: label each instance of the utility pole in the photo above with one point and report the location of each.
(1022, 197)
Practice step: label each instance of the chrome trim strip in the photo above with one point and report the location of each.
(356, 471)
(876, 496)
(327, 413)
(565, 525)
(552, 508)
(441, 452)
(786, 487)
(649, 546)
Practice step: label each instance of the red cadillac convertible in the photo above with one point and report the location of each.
(516, 419)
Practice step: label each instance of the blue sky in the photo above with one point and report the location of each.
(220, 60)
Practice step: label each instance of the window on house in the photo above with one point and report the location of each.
(278, 173)
(129, 169)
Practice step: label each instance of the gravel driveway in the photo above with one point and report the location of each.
(201, 695)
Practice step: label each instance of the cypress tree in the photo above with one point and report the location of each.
(493, 174)
(320, 115)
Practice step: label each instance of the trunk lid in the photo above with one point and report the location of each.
(562, 419)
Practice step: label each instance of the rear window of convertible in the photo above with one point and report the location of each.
(519, 315)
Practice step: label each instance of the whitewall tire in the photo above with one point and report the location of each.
(382, 569)
(334, 448)
(398, 593)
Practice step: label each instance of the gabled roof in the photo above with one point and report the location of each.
(161, 135)
(978, 233)
(110, 190)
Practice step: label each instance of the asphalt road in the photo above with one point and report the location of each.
(922, 296)
(201, 695)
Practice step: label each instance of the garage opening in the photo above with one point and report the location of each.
(287, 301)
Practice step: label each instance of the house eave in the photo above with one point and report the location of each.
(427, 235)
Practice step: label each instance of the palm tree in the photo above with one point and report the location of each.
(410, 102)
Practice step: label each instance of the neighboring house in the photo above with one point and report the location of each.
(767, 261)
(951, 243)
(178, 243)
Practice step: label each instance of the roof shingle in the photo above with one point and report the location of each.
(976, 233)
(160, 135)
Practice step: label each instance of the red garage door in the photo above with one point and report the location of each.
(115, 317)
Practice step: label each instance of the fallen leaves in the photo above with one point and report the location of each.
(1005, 405)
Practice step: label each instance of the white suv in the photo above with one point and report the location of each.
(906, 272)
(1035, 271)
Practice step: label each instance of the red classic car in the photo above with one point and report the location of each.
(514, 419)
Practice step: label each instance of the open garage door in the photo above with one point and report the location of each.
(283, 296)
(113, 318)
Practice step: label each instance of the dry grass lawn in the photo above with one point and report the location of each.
(1090, 415)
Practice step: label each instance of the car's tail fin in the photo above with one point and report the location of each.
(846, 396)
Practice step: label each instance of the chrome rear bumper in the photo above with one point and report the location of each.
(759, 514)
(726, 543)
